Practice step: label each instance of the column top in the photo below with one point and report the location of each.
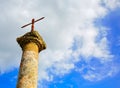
(34, 37)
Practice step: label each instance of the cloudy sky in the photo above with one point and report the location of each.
(82, 37)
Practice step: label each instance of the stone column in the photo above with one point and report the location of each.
(31, 44)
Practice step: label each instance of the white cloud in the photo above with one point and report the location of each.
(111, 4)
(96, 73)
(68, 24)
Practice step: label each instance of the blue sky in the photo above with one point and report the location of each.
(82, 39)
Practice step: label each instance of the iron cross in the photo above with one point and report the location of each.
(32, 22)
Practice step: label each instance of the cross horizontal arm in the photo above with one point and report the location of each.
(34, 22)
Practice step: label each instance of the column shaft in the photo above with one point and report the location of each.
(28, 73)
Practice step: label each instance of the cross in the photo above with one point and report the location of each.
(32, 22)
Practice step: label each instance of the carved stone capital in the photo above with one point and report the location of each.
(32, 37)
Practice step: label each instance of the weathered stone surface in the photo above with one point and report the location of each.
(28, 73)
(31, 43)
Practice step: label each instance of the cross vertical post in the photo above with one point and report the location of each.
(32, 26)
